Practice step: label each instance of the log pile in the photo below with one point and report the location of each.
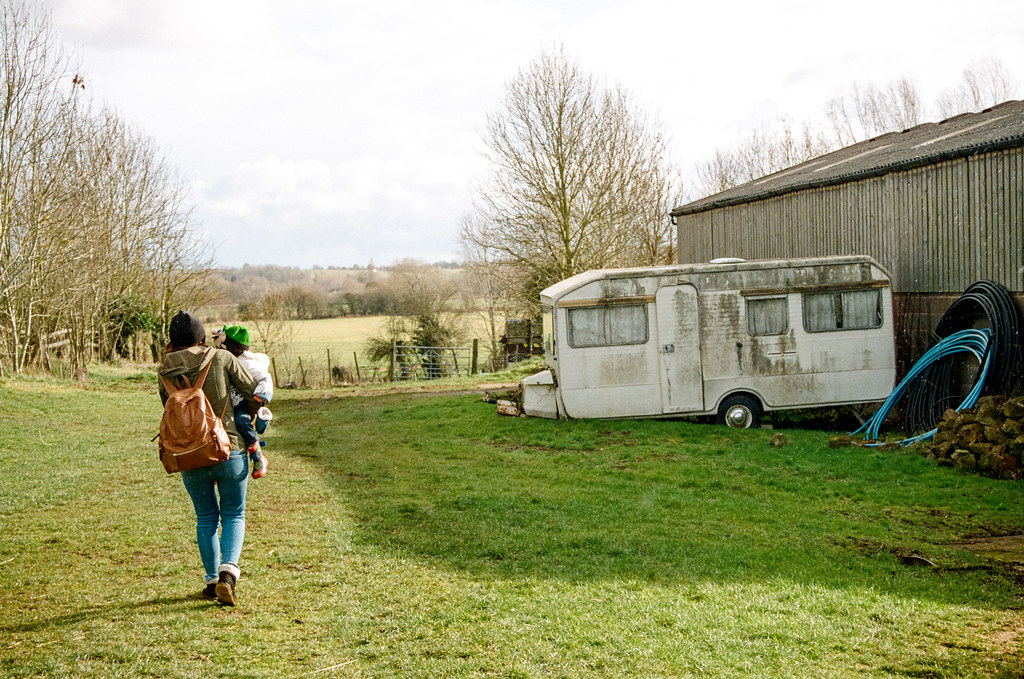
(988, 439)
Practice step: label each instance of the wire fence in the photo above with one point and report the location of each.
(324, 370)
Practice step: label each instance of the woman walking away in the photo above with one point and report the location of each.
(217, 491)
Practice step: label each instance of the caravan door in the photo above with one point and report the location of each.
(682, 383)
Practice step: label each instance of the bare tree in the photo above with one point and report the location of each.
(492, 283)
(423, 309)
(983, 83)
(720, 173)
(416, 288)
(863, 111)
(38, 118)
(858, 112)
(773, 147)
(575, 167)
(650, 236)
(95, 236)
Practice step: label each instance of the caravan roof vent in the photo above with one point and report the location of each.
(727, 260)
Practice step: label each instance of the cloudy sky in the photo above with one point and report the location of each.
(333, 132)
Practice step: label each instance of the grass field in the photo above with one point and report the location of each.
(410, 535)
(345, 339)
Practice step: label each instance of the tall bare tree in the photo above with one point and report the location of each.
(38, 117)
(719, 173)
(575, 168)
(96, 239)
(650, 235)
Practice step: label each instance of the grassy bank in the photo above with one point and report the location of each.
(424, 536)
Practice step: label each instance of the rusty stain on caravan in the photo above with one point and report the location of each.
(802, 388)
(773, 358)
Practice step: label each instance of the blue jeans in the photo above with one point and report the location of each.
(228, 479)
(245, 425)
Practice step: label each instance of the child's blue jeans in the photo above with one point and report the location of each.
(245, 427)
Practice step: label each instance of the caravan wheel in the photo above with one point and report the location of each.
(740, 412)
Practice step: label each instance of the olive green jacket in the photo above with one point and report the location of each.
(225, 372)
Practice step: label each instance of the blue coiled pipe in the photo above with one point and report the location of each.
(973, 341)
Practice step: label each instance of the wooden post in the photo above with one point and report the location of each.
(391, 368)
(273, 368)
(44, 352)
(330, 374)
(476, 353)
(355, 357)
(302, 371)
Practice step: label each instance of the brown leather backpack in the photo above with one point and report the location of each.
(191, 434)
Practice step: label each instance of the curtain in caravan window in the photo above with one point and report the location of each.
(849, 310)
(608, 325)
(627, 324)
(861, 309)
(767, 316)
(819, 312)
(586, 327)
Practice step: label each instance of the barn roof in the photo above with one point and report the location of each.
(994, 128)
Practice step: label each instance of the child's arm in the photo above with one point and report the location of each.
(264, 392)
(258, 365)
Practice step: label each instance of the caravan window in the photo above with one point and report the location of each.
(603, 326)
(767, 316)
(847, 310)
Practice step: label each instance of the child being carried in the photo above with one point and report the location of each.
(250, 424)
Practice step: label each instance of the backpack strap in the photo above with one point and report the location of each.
(171, 387)
(201, 379)
(202, 374)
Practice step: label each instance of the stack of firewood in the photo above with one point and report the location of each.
(988, 439)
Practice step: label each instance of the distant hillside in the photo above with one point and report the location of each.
(323, 292)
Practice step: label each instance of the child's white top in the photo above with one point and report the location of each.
(258, 366)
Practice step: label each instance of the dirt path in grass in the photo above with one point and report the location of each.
(1007, 548)
(383, 389)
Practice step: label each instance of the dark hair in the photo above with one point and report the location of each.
(236, 348)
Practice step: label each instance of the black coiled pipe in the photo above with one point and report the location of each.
(985, 304)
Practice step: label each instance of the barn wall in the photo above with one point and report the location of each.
(937, 228)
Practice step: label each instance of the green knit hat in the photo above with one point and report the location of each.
(238, 333)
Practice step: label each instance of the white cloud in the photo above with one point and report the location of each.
(329, 132)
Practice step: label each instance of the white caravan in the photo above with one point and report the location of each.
(730, 338)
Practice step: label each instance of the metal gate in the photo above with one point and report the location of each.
(409, 362)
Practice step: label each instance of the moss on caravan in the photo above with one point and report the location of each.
(730, 338)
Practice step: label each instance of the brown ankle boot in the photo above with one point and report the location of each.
(226, 588)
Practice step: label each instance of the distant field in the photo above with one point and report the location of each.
(342, 336)
(345, 338)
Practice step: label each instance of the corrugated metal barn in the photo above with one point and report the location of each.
(939, 205)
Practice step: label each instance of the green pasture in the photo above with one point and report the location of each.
(423, 535)
(342, 340)
(343, 337)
